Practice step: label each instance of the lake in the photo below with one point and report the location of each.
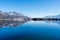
(32, 30)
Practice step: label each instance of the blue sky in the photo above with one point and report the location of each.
(31, 8)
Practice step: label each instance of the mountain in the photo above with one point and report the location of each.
(56, 16)
(12, 19)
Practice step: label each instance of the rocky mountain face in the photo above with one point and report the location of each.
(10, 14)
(54, 16)
(12, 19)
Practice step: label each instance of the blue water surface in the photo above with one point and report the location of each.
(39, 30)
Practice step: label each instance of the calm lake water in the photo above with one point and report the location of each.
(37, 30)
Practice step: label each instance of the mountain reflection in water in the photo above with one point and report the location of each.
(11, 23)
(56, 21)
